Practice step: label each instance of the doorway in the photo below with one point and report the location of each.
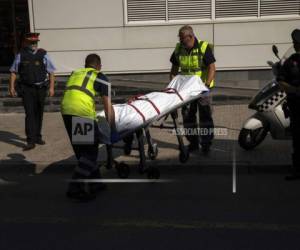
(14, 23)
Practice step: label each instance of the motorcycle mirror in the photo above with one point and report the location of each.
(275, 51)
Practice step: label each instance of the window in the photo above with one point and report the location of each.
(279, 7)
(164, 11)
(189, 9)
(146, 10)
(236, 8)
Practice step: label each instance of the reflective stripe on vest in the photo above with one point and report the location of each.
(192, 63)
(79, 94)
(83, 86)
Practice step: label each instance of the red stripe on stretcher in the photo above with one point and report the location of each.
(138, 97)
(168, 90)
(154, 106)
(137, 110)
(148, 100)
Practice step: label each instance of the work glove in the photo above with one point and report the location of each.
(114, 137)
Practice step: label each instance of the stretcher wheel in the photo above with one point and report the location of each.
(184, 156)
(152, 154)
(153, 173)
(123, 170)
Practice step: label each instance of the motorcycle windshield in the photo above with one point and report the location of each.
(287, 54)
(269, 90)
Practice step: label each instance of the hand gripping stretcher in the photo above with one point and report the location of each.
(139, 114)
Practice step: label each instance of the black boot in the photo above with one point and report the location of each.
(79, 190)
(40, 141)
(29, 146)
(96, 187)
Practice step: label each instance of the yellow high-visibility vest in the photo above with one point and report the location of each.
(79, 95)
(192, 63)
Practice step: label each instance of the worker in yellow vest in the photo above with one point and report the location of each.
(79, 115)
(195, 57)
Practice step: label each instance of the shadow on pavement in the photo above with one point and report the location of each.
(218, 162)
(12, 139)
(17, 163)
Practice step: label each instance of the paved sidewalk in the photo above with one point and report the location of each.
(197, 205)
(225, 150)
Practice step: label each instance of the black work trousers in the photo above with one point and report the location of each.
(33, 101)
(86, 154)
(294, 108)
(205, 129)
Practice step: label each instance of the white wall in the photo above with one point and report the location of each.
(61, 14)
(248, 45)
(71, 29)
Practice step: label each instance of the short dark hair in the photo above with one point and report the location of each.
(296, 36)
(92, 60)
(186, 30)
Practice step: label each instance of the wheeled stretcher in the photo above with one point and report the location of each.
(141, 112)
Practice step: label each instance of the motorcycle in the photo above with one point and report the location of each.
(271, 111)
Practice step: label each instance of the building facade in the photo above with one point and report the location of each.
(138, 36)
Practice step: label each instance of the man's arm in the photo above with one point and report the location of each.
(209, 61)
(174, 71)
(109, 112)
(13, 75)
(12, 81)
(210, 74)
(175, 66)
(50, 69)
(51, 84)
(102, 86)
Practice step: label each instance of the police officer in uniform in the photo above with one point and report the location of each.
(289, 80)
(194, 57)
(78, 104)
(33, 66)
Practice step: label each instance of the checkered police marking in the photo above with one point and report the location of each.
(272, 101)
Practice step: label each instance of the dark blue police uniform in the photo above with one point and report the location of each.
(290, 73)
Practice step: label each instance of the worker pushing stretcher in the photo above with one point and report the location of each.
(192, 59)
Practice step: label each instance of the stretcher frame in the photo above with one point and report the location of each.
(142, 132)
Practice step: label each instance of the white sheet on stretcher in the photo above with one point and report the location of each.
(127, 118)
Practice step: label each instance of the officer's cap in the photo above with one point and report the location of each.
(32, 37)
(296, 36)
